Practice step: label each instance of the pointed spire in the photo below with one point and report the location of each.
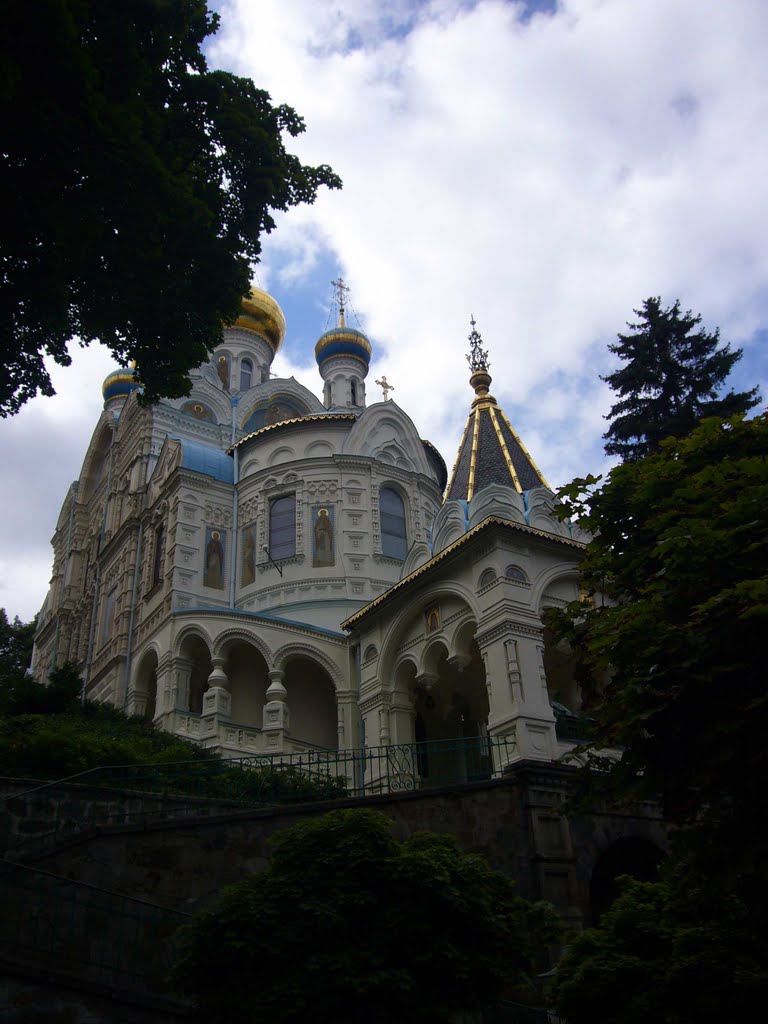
(477, 357)
(478, 360)
(490, 451)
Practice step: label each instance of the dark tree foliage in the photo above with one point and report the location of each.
(348, 924)
(137, 184)
(676, 951)
(16, 642)
(670, 381)
(680, 550)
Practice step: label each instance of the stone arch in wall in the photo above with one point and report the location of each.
(247, 669)
(195, 655)
(96, 463)
(311, 700)
(454, 603)
(441, 682)
(225, 640)
(144, 697)
(556, 591)
(630, 855)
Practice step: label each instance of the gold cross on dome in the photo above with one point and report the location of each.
(341, 293)
(385, 386)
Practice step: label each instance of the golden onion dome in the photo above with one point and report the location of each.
(261, 315)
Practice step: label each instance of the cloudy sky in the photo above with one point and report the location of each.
(542, 165)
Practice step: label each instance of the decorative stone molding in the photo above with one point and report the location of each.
(217, 515)
(507, 629)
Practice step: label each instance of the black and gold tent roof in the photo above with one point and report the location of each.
(490, 451)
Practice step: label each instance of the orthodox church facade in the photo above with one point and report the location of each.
(265, 572)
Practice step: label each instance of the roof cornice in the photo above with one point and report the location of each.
(491, 521)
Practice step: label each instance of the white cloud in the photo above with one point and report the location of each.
(545, 174)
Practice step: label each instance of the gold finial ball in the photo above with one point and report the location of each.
(260, 314)
(481, 382)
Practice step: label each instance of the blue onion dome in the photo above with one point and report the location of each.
(120, 383)
(261, 315)
(343, 341)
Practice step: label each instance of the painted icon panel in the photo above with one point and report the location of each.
(323, 535)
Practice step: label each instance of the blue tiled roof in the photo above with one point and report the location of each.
(203, 458)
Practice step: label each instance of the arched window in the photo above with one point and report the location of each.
(353, 391)
(246, 374)
(487, 577)
(514, 572)
(282, 527)
(394, 542)
(327, 394)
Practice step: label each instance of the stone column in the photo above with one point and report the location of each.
(346, 719)
(217, 700)
(402, 717)
(276, 716)
(164, 675)
(520, 710)
(180, 672)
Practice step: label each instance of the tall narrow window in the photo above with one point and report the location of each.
(353, 391)
(109, 615)
(282, 527)
(157, 564)
(246, 374)
(394, 542)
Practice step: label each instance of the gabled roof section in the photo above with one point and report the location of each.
(486, 525)
(490, 451)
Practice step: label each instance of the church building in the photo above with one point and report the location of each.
(265, 572)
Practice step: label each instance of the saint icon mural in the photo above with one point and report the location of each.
(215, 541)
(323, 550)
(248, 575)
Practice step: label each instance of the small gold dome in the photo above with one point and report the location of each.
(261, 315)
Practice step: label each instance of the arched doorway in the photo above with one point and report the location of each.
(248, 675)
(633, 856)
(195, 651)
(451, 717)
(145, 687)
(312, 703)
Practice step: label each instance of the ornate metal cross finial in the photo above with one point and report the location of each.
(385, 387)
(477, 356)
(341, 293)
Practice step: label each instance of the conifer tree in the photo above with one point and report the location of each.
(671, 380)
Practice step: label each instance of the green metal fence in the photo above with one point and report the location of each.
(51, 812)
(59, 924)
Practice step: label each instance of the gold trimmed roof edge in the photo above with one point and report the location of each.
(525, 450)
(312, 417)
(505, 451)
(458, 456)
(348, 623)
(473, 455)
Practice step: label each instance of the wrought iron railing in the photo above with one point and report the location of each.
(140, 794)
(58, 924)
